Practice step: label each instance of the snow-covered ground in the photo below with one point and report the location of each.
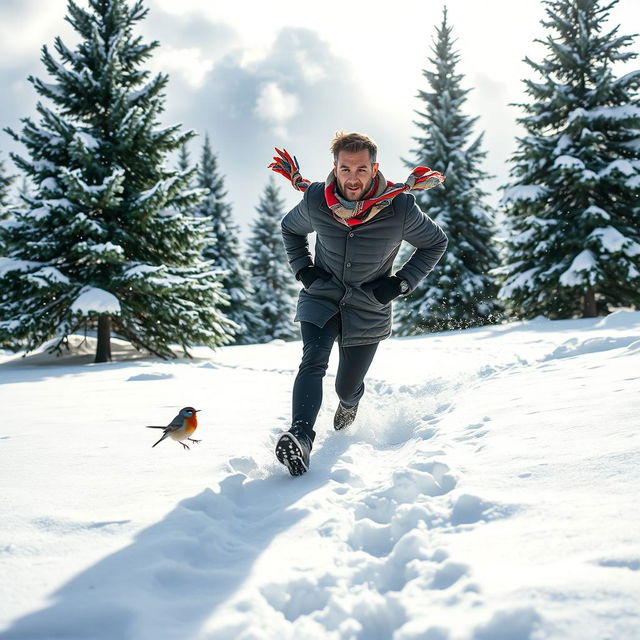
(487, 491)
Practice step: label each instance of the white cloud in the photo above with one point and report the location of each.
(311, 70)
(189, 63)
(26, 26)
(276, 106)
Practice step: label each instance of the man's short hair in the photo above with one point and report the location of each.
(352, 143)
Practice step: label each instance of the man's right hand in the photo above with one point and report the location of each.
(308, 275)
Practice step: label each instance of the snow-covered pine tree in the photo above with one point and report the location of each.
(106, 241)
(223, 247)
(275, 287)
(573, 206)
(184, 162)
(5, 205)
(25, 190)
(460, 292)
(5, 216)
(5, 185)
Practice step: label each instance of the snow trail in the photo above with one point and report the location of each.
(436, 516)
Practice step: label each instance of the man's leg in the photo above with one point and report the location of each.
(307, 388)
(352, 368)
(294, 446)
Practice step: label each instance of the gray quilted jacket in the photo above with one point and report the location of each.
(356, 257)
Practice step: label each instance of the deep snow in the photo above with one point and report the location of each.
(487, 491)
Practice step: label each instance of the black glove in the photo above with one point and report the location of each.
(387, 289)
(308, 275)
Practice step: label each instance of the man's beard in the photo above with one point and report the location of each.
(357, 195)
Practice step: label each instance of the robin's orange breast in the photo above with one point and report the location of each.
(191, 424)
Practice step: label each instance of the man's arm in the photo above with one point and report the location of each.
(430, 242)
(296, 226)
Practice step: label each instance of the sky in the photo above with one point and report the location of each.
(291, 74)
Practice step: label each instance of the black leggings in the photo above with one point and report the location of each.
(352, 367)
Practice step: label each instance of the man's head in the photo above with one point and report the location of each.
(354, 163)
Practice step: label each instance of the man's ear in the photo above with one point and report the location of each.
(335, 169)
(376, 166)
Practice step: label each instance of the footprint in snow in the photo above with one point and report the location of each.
(469, 509)
(141, 377)
(299, 597)
(242, 464)
(472, 432)
(617, 563)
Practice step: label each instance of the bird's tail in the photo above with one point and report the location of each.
(153, 426)
(161, 439)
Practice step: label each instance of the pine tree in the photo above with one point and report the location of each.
(25, 190)
(184, 162)
(573, 209)
(5, 185)
(5, 206)
(274, 284)
(223, 247)
(105, 241)
(460, 292)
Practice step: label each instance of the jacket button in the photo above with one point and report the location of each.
(352, 234)
(348, 264)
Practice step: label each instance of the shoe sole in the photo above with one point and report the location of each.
(289, 453)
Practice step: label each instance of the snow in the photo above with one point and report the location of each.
(106, 247)
(633, 182)
(40, 213)
(145, 195)
(621, 112)
(43, 165)
(50, 275)
(522, 280)
(50, 184)
(97, 189)
(632, 144)
(60, 203)
(142, 270)
(595, 211)
(10, 264)
(564, 142)
(527, 192)
(92, 299)
(486, 491)
(89, 141)
(580, 271)
(613, 241)
(568, 162)
(54, 89)
(622, 166)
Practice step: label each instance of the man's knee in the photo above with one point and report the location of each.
(349, 391)
(316, 354)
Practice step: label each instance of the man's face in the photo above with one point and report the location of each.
(354, 173)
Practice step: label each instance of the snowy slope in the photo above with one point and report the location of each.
(487, 491)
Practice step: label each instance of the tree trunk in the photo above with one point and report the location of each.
(589, 304)
(103, 350)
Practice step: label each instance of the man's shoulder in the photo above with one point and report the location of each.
(316, 188)
(404, 201)
(314, 194)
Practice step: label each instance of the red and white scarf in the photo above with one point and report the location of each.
(379, 195)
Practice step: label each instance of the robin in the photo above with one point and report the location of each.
(181, 427)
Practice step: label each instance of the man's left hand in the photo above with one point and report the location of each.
(387, 289)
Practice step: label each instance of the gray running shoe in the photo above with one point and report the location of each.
(344, 416)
